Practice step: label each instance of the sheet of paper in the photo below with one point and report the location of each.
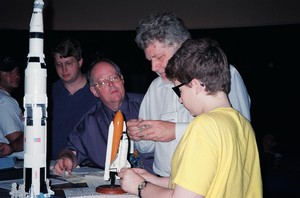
(94, 181)
(78, 174)
(54, 181)
(86, 170)
(75, 179)
(97, 178)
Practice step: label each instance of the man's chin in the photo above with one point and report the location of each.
(163, 75)
(15, 86)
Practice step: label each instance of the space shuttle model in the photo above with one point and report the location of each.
(35, 105)
(118, 147)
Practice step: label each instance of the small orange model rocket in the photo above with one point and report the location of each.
(117, 146)
(118, 130)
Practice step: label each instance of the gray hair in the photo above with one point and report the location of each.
(165, 27)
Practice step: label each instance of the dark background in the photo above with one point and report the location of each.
(266, 57)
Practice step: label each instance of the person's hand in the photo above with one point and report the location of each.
(133, 129)
(64, 164)
(130, 179)
(5, 149)
(155, 130)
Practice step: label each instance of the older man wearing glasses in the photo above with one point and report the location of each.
(87, 142)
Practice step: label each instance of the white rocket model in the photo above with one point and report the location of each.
(35, 105)
(117, 147)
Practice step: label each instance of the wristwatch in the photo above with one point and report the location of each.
(141, 186)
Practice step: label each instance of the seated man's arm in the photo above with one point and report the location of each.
(16, 144)
(16, 141)
(67, 161)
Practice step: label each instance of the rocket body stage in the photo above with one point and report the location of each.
(35, 105)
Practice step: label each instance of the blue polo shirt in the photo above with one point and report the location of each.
(67, 110)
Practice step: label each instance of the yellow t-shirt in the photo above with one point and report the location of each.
(218, 157)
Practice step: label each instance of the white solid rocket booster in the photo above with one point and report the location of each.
(35, 105)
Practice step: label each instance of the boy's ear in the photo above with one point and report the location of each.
(197, 85)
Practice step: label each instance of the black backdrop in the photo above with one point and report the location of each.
(266, 57)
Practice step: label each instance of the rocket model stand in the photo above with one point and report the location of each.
(116, 155)
(35, 105)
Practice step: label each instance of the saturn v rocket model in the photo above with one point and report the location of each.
(35, 105)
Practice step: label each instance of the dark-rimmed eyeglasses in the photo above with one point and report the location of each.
(177, 90)
(68, 64)
(105, 82)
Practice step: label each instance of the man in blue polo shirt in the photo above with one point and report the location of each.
(71, 95)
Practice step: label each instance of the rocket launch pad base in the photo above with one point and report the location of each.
(110, 189)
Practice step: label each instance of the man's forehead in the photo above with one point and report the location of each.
(103, 70)
(58, 57)
(155, 49)
(105, 76)
(13, 70)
